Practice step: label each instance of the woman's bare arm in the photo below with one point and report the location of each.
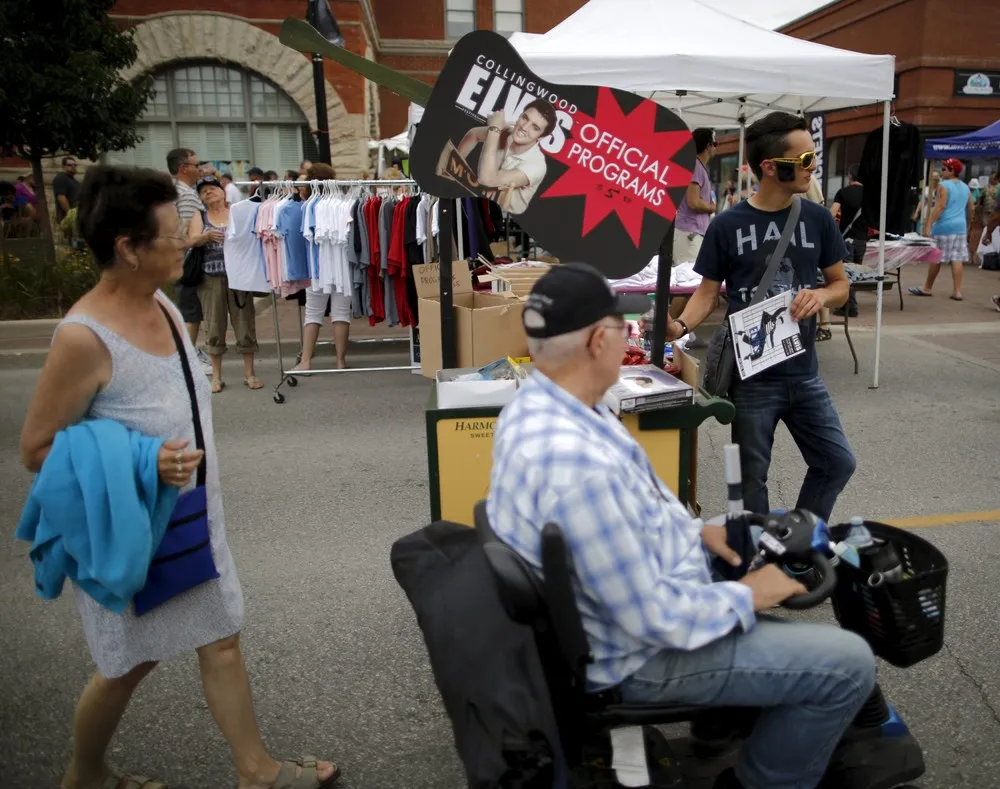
(77, 367)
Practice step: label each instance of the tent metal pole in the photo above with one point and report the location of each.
(739, 161)
(925, 196)
(883, 199)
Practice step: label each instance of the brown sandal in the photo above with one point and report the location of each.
(253, 382)
(218, 385)
(308, 779)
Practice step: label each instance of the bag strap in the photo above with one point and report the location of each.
(199, 436)
(848, 228)
(779, 252)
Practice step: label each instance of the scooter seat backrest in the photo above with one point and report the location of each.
(519, 588)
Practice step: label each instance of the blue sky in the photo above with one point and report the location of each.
(767, 13)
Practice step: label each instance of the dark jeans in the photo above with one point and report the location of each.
(805, 407)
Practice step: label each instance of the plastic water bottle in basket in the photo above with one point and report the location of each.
(890, 590)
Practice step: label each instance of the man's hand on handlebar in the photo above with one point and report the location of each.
(714, 540)
(771, 586)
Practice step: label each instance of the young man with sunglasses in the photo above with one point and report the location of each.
(736, 249)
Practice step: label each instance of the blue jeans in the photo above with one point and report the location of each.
(810, 681)
(807, 411)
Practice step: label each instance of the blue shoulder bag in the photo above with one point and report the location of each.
(184, 558)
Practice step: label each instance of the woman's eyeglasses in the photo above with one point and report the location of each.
(806, 161)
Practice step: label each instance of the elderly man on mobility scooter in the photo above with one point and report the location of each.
(660, 629)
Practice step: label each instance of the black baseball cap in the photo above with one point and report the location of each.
(208, 180)
(573, 296)
(255, 171)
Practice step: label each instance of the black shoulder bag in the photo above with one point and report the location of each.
(184, 558)
(720, 360)
(194, 265)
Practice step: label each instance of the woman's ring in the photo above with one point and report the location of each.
(180, 469)
(178, 457)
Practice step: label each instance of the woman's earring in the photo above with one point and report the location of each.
(134, 266)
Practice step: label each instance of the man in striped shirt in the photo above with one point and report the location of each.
(661, 628)
(183, 166)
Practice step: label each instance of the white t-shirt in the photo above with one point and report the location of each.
(233, 193)
(243, 252)
(532, 164)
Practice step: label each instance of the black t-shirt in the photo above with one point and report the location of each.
(65, 184)
(850, 199)
(735, 251)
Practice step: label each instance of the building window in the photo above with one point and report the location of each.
(230, 117)
(508, 16)
(459, 17)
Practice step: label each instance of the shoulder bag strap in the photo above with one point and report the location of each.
(779, 252)
(848, 228)
(199, 436)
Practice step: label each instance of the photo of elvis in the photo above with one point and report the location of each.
(511, 164)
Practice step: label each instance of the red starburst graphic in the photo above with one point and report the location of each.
(603, 147)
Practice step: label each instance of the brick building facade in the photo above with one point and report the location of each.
(931, 40)
(230, 90)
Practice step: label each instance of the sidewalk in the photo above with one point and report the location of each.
(25, 343)
(967, 328)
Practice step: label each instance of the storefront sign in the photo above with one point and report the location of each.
(977, 83)
(594, 174)
(817, 128)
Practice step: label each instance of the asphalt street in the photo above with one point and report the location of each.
(316, 490)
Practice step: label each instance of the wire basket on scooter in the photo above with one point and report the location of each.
(900, 614)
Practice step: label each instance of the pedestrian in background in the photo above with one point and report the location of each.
(222, 306)
(948, 224)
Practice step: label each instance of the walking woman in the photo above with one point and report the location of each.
(218, 303)
(115, 356)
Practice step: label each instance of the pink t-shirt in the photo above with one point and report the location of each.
(690, 221)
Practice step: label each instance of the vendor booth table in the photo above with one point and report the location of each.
(460, 447)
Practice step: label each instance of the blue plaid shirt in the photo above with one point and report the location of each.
(640, 573)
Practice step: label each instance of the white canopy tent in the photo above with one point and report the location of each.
(713, 70)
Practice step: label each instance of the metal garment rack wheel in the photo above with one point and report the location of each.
(291, 377)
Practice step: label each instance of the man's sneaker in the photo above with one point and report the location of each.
(206, 363)
(996, 302)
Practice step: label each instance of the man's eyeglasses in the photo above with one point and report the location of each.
(806, 161)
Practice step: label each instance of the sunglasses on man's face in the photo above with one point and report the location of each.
(806, 161)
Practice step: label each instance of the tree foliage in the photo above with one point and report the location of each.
(61, 87)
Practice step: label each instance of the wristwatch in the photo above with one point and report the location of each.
(682, 323)
(497, 129)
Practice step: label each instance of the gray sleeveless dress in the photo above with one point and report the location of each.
(147, 393)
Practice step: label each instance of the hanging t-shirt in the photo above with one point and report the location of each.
(735, 251)
(243, 250)
(289, 225)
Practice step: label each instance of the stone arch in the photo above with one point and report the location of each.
(171, 37)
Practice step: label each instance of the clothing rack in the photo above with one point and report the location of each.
(291, 376)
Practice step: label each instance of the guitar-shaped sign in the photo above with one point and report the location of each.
(594, 174)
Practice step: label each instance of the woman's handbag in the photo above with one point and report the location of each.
(720, 358)
(194, 268)
(184, 558)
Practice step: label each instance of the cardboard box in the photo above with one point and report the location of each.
(463, 394)
(518, 280)
(487, 325)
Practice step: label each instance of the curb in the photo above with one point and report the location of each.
(33, 358)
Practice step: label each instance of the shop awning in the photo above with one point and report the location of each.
(981, 144)
(702, 63)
